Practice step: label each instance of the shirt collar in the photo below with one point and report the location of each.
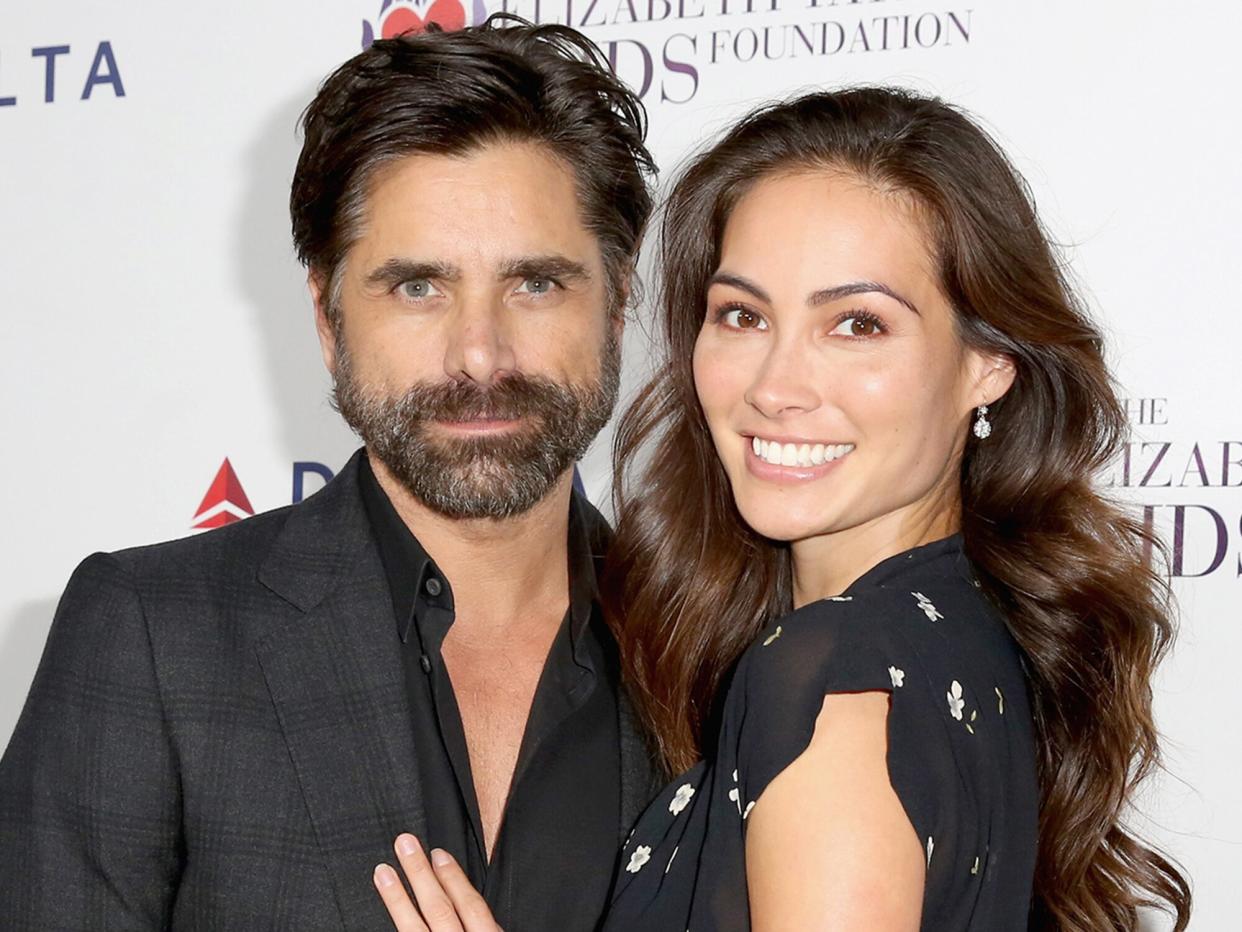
(413, 576)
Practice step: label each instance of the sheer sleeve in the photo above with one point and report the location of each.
(858, 645)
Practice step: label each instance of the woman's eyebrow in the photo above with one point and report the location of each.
(822, 296)
(743, 284)
(827, 295)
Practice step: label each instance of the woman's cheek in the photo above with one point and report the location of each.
(716, 381)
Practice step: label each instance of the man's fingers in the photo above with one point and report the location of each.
(433, 903)
(471, 908)
(400, 909)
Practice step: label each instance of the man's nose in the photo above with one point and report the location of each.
(479, 347)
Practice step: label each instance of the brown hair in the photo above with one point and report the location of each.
(689, 584)
(449, 93)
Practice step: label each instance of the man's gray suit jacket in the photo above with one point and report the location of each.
(218, 736)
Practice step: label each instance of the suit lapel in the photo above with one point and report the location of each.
(336, 679)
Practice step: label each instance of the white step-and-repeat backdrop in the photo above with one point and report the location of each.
(160, 370)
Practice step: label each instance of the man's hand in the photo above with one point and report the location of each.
(446, 902)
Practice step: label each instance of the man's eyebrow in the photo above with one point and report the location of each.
(396, 270)
(828, 295)
(550, 266)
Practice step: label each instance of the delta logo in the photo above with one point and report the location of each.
(399, 17)
(226, 501)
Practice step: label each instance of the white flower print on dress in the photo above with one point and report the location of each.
(1000, 700)
(928, 609)
(930, 845)
(670, 858)
(897, 676)
(772, 637)
(956, 702)
(681, 799)
(840, 598)
(746, 813)
(641, 855)
(736, 795)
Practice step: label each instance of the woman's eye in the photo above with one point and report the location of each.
(417, 289)
(858, 325)
(741, 318)
(536, 286)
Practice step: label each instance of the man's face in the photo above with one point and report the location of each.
(473, 349)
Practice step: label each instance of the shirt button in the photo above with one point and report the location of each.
(425, 662)
(433, 586)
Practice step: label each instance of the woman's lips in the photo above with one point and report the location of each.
(777, 459)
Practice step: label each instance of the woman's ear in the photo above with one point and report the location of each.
(993, 376)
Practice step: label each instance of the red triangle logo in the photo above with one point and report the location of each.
(225, 501)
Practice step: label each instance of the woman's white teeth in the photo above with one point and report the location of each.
(795, 454)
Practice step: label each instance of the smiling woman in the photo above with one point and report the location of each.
(826, 330)
(861, 493)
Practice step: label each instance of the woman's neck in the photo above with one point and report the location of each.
(826, 565)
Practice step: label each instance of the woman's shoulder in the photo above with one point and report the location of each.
(941, 653)
(846, 632)
(940, 650)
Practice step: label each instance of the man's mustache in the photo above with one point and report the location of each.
(513, 397)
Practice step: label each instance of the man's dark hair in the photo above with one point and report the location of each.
(447, 93)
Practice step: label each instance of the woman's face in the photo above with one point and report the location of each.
(833, 381)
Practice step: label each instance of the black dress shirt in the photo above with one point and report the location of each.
(553, 859)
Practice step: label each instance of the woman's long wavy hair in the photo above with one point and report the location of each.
(689, 584)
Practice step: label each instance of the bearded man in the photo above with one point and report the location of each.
(228, 731)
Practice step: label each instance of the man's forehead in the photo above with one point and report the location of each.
(493, 205)
(495, 171)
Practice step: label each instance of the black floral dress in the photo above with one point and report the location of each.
(961, 751)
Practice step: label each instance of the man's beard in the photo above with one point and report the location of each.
(485, 476)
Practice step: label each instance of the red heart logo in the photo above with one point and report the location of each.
(400, 21)
(448, 14)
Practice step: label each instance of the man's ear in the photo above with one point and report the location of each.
(323, 324)
(625, 289)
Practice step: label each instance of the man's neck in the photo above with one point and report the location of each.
(507, 576)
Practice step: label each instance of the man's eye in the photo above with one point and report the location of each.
(536, 286)
(741, 318)
(417, 289)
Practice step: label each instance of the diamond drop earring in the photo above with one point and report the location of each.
(983, 427)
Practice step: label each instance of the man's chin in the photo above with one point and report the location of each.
(478, 502)
(463, 484)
